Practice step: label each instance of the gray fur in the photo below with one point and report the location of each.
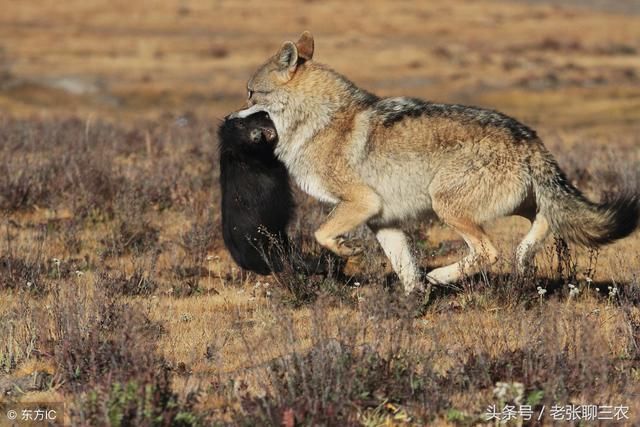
(394, 110)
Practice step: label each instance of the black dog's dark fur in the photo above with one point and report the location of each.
(257, 203)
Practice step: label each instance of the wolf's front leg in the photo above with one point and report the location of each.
(394, 244)
(359, 204)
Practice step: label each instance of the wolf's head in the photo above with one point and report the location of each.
(301, 96)
(272, 84)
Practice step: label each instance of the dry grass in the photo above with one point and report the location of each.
(114, 281)
(114, 292)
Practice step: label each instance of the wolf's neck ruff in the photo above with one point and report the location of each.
(315, 107)
(298, 123)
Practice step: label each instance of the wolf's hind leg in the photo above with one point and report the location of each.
(394, 244)
(357, 207)
(531, 243)
(480, 250)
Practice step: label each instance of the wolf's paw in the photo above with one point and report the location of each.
(348, 248)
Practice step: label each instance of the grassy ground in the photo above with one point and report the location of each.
(118, 297)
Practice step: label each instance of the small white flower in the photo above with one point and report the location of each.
(79, 273)
(518, 389)
(500, 390)
(356, 284)
(574, 291)
(588, 280)
(56, 261)
(571, 286)
(541, 290)
(29, 284)
(512, 392)
(613, 290)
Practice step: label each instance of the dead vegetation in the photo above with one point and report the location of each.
(119, 296)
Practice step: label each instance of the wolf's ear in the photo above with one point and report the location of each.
(288, 57)
(305, 46)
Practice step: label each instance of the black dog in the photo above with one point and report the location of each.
(257, 203)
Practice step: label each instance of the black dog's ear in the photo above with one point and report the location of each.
(269, 134)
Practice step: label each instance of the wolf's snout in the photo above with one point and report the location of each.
(246, 112)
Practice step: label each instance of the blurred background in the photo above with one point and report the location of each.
(557, 65)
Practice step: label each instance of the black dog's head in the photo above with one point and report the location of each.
(252, 130)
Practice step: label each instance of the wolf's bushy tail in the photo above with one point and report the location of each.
(572, 216)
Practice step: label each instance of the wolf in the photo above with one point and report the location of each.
(257, 203)
(386, 161)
